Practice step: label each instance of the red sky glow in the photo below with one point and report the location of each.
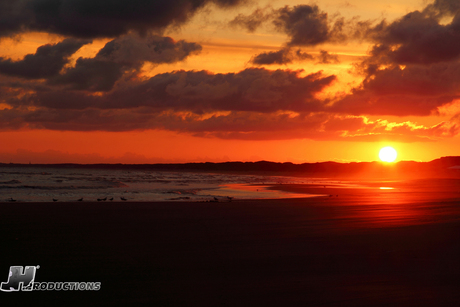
(226, 80)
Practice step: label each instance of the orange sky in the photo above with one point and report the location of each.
(230, 80)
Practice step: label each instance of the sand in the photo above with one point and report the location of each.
(328, 251)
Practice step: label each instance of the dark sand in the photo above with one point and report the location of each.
(350, 250)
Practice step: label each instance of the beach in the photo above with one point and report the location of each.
(336, 250)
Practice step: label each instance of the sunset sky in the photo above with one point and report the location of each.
(139, 81)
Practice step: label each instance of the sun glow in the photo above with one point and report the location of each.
(388, 154)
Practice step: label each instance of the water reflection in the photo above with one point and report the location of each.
(258, 191)
(407, 203)
(385, 204)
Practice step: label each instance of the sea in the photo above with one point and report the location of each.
(67, 184)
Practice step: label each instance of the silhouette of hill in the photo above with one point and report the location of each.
(442, 167)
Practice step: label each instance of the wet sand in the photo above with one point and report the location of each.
(331, 251)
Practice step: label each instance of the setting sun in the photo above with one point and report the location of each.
(387, 154)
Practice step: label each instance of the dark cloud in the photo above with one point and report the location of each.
(59, 99)
(120, 56)
(148, 118)
(305, 25)
(303, 56)
(327, 58)
(286, 56)
(253, 21)
(131, 50)
(281, 56)
(414, 80)
(255, 104)
(14, 17)
(252, 89)
(444, 8)
(233, 125)
(414, 66)
(417, 38)
(414, 90)
(12, 119)
(366, 102)
(46, 62)
(90, 74)
(101, 18)
(317, 126)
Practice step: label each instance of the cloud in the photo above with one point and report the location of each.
(93, 19)
(90, 74)
(413, 67)
(305, 25)
(12, 119)
(417, 38)
(47, 61)
(443, 7)
(364, 102)
(253, 21)
(120, 56)
(286, 56)
(242, 125)
(327, 58)
(132, 50)
(281, 56)
(253, 89)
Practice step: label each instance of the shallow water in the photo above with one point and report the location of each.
(40, 184)
(64, 183)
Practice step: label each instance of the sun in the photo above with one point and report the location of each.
(387, 154)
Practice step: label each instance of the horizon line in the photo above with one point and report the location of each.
(235, 161)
